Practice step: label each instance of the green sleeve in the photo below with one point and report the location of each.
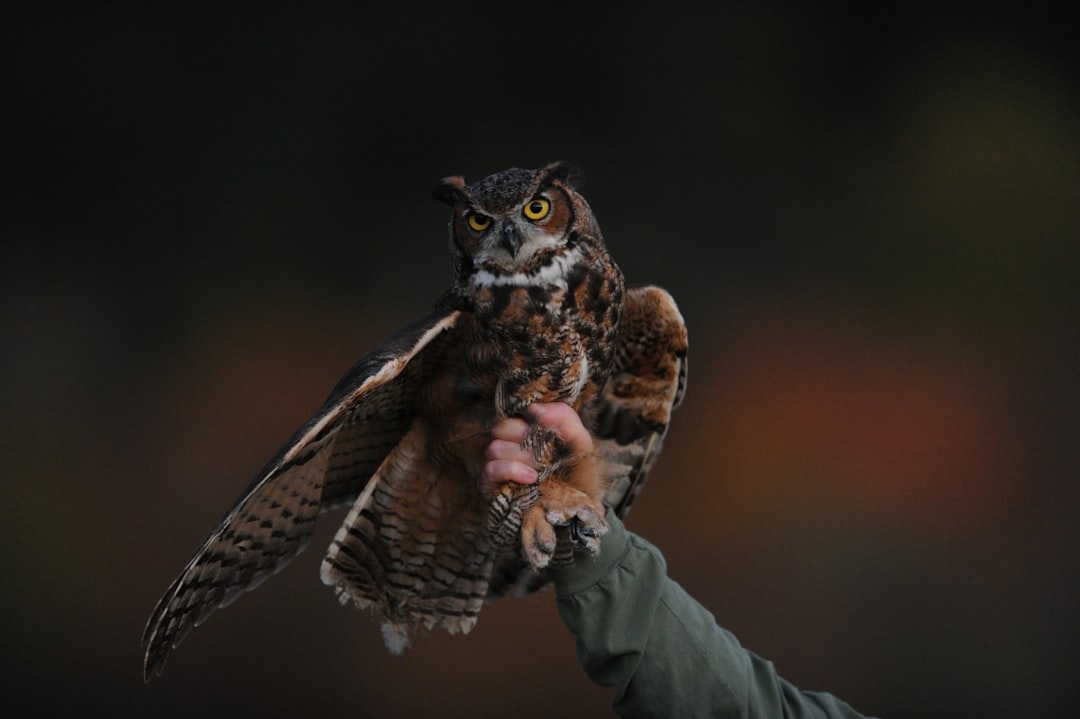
(663, 652)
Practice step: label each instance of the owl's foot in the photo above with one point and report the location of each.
(561, 506)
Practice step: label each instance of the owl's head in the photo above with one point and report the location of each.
(516, 220)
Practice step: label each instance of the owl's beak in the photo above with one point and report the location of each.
(511, 239)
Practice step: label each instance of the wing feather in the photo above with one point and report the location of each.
(326, 464)
(647, 383)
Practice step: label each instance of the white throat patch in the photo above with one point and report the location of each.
(553, 274)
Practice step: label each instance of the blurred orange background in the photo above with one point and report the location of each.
(870, 219)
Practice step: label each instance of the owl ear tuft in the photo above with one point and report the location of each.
(569, 174)
(449, 190)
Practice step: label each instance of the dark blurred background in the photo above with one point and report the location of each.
(870, 219)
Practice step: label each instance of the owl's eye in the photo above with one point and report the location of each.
(479, 222)
(537, 209)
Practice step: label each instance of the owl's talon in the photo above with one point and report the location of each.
(586, 525)
(587, 537)
(577, 532)
(580, 534)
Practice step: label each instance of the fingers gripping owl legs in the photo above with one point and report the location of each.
(563, 512)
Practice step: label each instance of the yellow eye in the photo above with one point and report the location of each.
(479, 222)
(537, 209)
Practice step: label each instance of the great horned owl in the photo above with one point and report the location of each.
(538, 312)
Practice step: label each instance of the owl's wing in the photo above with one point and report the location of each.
(326, 464)
(646, 384)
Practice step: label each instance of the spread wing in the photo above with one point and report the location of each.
(326, 464)
(647, 382)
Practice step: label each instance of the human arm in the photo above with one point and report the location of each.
(639, 631)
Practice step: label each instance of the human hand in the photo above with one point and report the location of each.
(508, 461)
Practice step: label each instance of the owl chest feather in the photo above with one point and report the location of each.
(548, 341)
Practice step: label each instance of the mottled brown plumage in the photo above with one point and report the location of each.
(537, 313)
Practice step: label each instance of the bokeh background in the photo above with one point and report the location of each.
(870, 219)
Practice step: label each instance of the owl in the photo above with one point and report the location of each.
(537, 312)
